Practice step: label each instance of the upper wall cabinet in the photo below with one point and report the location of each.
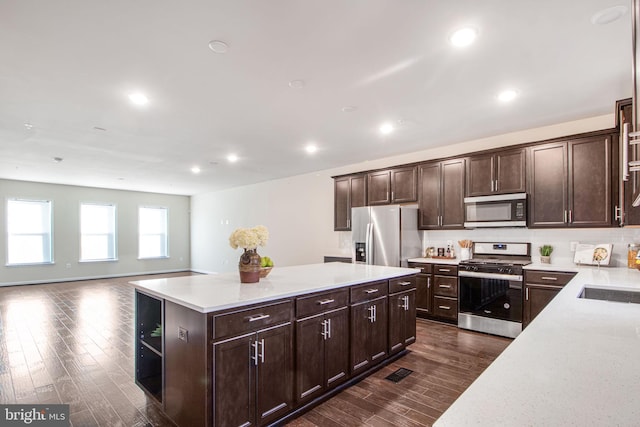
(570, 183)
(630, 187)
(397, 185)
(348, 192)
(441, 190)
(496, 173)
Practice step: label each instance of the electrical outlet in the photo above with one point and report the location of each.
(68, 265)
(183, 334)
(573, 246)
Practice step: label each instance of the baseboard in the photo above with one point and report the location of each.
(109, 276)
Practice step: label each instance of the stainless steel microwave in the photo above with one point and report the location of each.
(501, 210)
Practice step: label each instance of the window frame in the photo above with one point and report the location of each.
(115, 233)
(166, 233)
(47, 248)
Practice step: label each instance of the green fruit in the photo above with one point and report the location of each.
(264, 261)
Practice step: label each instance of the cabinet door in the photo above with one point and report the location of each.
(234, 383)
(336, 347)
(404, 185)
(480, 179)
(632, 186)
(379, 188)
(548, 185)
(396, 322)
(274, 382)
(359, 350)
(429, 193)
(509, 171)
(358, 193)
(536, 298)
(424, 294)
(341, 204)
(378, 338)
(410, 318)
(590, 182)
(309, 357)
(452, 194)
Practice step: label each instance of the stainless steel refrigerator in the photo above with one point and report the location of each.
(385, 235)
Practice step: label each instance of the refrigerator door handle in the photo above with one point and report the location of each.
(369, 243)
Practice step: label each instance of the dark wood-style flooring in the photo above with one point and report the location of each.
(72, 343)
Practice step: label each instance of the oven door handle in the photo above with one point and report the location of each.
(509, 277)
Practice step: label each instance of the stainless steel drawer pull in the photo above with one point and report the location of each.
(444, 307)
(404, 283)
(259, 317)
(371, 291)
(445, 286)
(446, 270)
(549, 278)
(326, 301)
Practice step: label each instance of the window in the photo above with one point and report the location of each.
(97, 232)
(152, 229)
(29, 232)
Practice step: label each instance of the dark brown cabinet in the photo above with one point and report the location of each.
(441, 195)
(539, 289)
(368, 329)
(149, 348)
(445, 292)
(496, 173)
(392, 186)
(348, 192)
(322, 343)
(631, 187)
(402, 320)
(424, 290)
(570, 183)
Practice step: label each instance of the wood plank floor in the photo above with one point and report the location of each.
(72, 343)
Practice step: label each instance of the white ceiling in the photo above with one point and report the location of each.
(68, 67)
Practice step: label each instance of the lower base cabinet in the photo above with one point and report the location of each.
(540, 288)
(253, 384)
(368, 333)
(402, 320)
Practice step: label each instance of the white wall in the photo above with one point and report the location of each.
(66, 233)
(299, 210)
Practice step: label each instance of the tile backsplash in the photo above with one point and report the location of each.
(560, 239)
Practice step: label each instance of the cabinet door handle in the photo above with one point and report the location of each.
(404, 283)
(428, 282)
(254, 349)
(491, 185)
(496, 185)
(262, 350)
(326, 301)
(526, 294)
(565, 216)
(259, 317)
(392, 195)
(444, 307)
(324, 330)
(371, 291)
(570, 216)
(375, 313)
(445, 286)
(370, 317)
(406, 302)
(329, 328)
(348, 223)
(548, 278)
(444, 270)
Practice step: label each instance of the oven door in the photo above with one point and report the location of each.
(498, 296)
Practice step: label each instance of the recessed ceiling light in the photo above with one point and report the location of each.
(386, 128)
(58, 159)
(507, 95)
(99, 128)
(218, 46)
(28, 126)
(232, 158)
(138, 98)
(463, 37)
(297, 84)
(195, 170)
(349, 109)
(608, 15)
(311, 148)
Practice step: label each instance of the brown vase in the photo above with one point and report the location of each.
(249, 266)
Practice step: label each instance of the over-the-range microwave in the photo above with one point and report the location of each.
(500, 210)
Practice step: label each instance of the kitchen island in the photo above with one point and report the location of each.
(215, 352)
(577, 363)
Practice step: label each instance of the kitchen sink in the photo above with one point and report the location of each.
(615, 295)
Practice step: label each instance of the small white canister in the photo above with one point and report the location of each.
(465, 254)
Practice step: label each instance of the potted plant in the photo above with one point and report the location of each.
(545, 254)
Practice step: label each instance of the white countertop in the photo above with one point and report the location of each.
(207, 293)
(450, 261)
(576, 364)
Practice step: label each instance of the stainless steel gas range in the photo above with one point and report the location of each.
(490, 288)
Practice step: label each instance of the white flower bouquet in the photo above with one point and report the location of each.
(249, 238)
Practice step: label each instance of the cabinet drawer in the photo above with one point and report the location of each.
(445, 307)
(317, 303)
(368, 291)
(252, 319)
(445, 286)
(445, 270)
(424, 268)
(548, 277)
(402, 284)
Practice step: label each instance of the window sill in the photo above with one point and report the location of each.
(153, 257)
(84, 261)
(30, 264)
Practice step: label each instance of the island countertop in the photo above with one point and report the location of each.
(577, 364)
(213, 292)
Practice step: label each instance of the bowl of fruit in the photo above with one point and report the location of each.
(265, 266)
